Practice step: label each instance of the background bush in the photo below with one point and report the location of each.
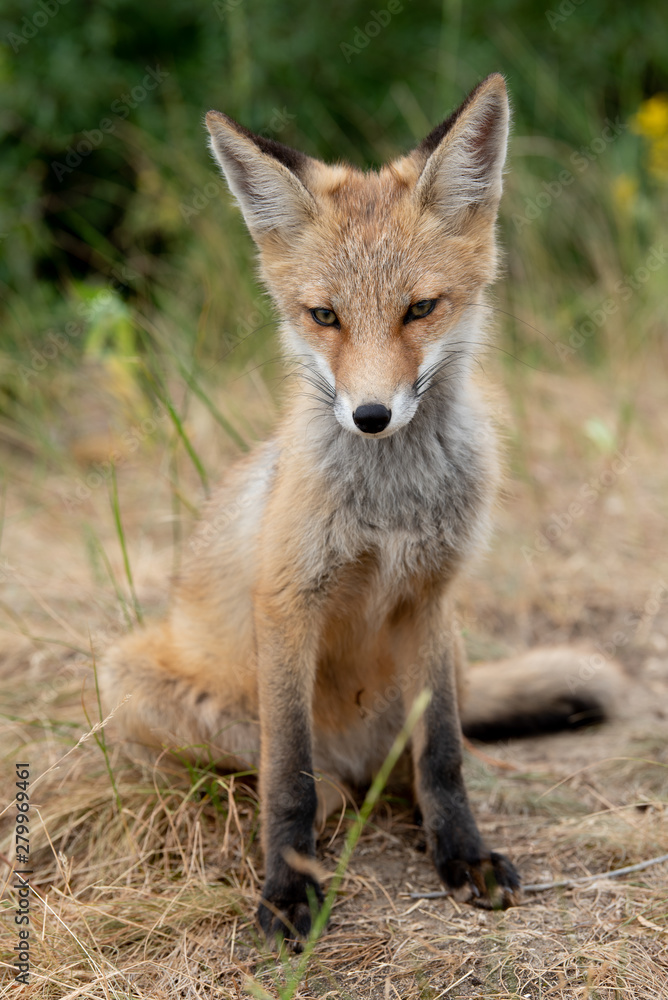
(136, 244)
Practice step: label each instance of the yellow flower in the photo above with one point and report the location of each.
(651, 118)
(651, 121)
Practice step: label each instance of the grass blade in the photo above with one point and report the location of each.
(121, 538)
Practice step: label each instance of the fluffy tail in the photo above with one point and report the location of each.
(161, 701)
(541, 691)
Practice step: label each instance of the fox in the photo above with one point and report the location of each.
(318, 598)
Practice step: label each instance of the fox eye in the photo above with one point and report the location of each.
(325, 317)
(420, 309)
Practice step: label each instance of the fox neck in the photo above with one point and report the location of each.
(433, 478)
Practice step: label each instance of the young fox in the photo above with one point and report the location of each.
(318, 601)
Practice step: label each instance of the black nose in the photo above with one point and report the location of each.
(372, 418)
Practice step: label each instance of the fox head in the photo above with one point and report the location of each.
(377, 275)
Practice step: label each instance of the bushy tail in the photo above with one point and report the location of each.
(161, 701)
(541, 691)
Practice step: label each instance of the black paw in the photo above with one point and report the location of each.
(491, 882)
(286, 912)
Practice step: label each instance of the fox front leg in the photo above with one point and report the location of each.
(462, 859)
(286, 667)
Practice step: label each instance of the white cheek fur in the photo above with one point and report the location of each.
(297, 346)
(432, 356)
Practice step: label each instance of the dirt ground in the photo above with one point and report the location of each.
(145, 881)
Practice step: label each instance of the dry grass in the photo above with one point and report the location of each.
(146, 880)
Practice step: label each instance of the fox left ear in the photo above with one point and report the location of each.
(462, 159)
(265, 177)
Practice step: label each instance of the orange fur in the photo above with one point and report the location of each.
(318, 599)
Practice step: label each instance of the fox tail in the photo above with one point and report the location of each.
(540, 691)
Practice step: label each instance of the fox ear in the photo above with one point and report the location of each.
(462, 159)
(264, 176)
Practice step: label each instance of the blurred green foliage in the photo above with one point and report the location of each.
(113, 217)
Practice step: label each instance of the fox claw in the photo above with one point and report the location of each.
(491, 883)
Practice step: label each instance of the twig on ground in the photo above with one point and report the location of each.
(542, 886)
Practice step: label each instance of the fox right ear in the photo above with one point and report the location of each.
(263, 175)
(461, 160)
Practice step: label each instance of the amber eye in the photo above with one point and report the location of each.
(420, 309)
(325, 317)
